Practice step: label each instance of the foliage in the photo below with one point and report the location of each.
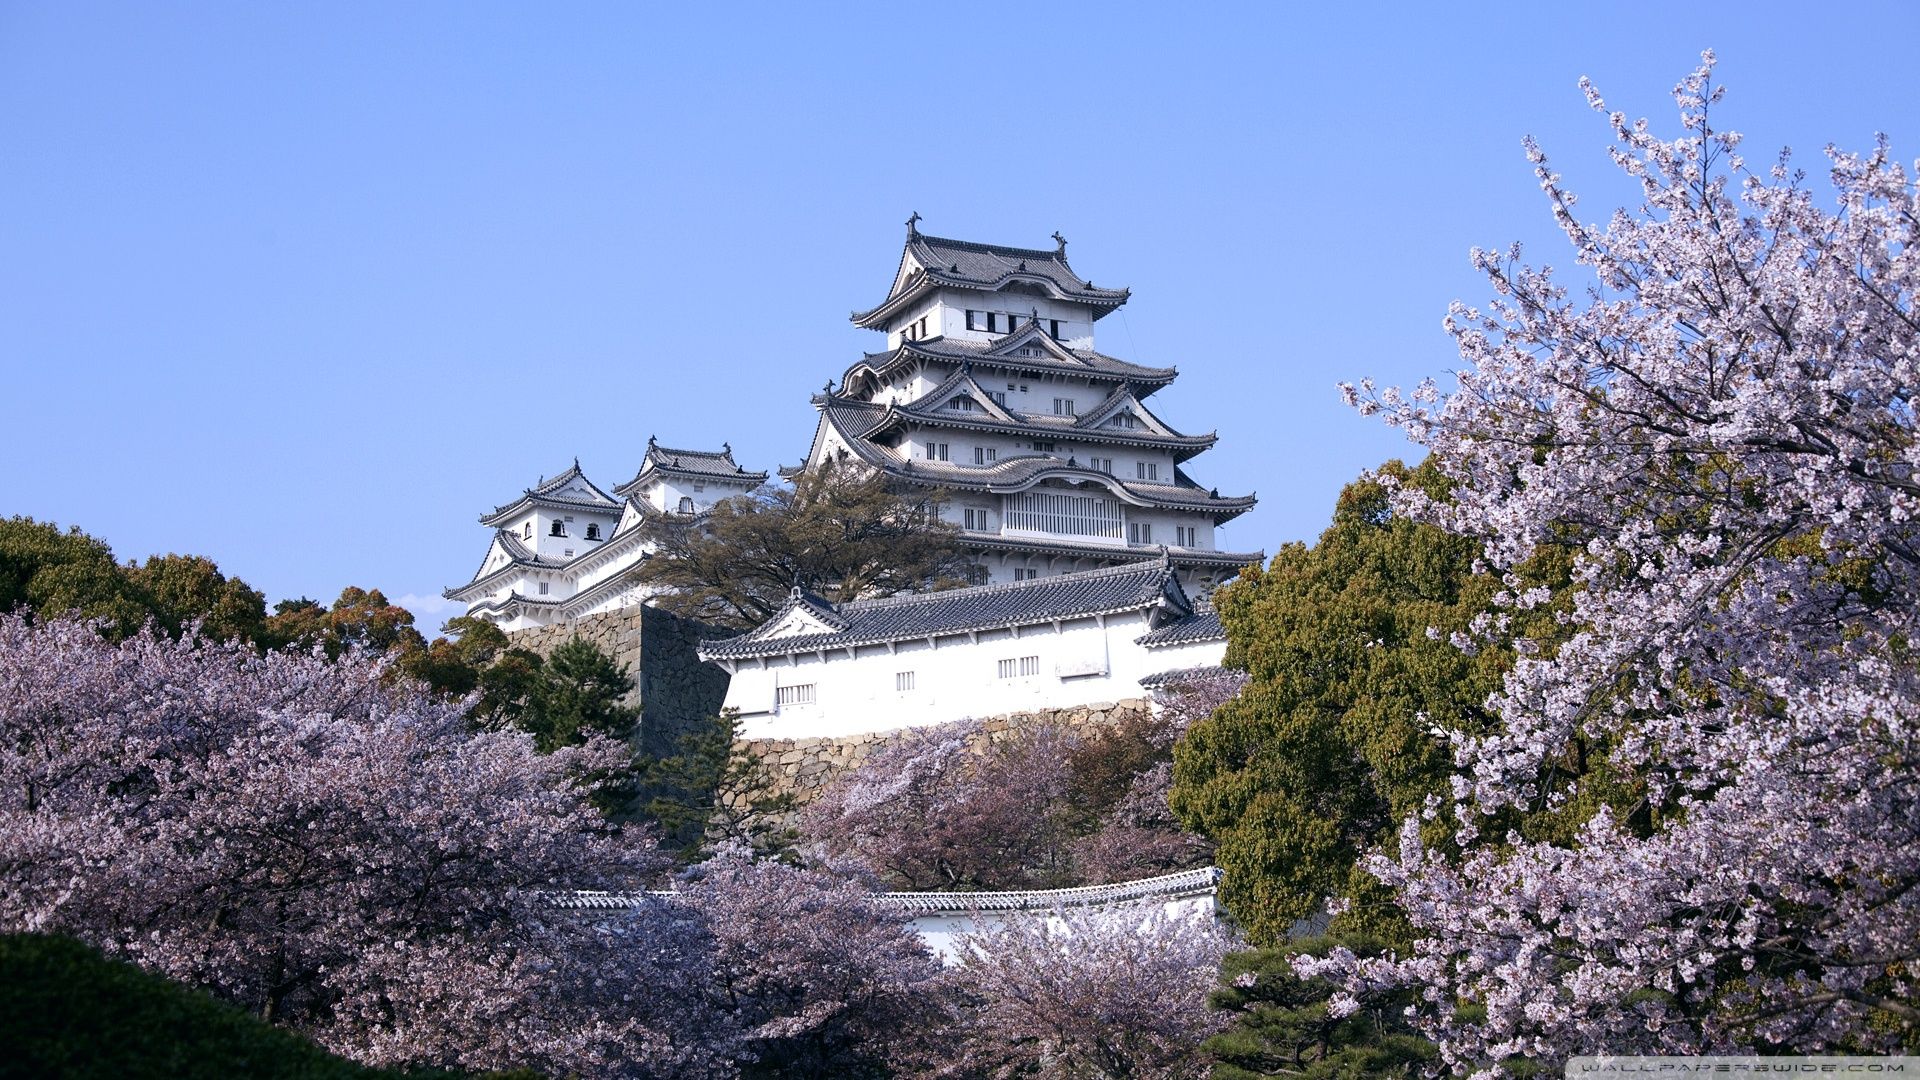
(1725, 427)
(1290, 1025)
(840, 530)
(67, 1011)
(328, 851)
(479, 657)
(45, 570)
(1328, 748)
(819, 980)
(576, 697)
(1105, 994)
(360, 618)
(709, 792)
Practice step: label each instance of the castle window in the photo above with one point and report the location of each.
(543, 588)
(902, 681)
(1019, 666)
(961, 404)
(593, 531)
(1101, 464)
(1140, 532)
(985, 455)
(559, 529)
(1055, 331)
(939, 451)
(1146, 470)
(801, 694)
(1183, 535)
(686, 504)
(1047, 447)
(975, 322)
(1063, 406)
(527, 532)
(1025, 573)
(977, 520)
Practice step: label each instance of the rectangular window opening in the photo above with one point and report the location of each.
(798, 694)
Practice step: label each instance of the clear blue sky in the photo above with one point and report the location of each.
(307, 287)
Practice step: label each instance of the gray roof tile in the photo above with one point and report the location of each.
(862, 622)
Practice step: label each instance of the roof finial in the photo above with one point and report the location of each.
(1060, 243)
(913, 224)
(828, 388)
(576, 463)
(726, 448)
(650, 440)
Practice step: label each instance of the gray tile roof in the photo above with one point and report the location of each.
(1085, 362)
(549, 493)
(853, 418)
(1131, 587)
(966, 264)
(1180, 675)
(698, 464)
(1196, 882)
(1202, 625)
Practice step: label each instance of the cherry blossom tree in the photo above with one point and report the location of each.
(336, 853)
(816, 979)
(1722, 421)
(1119, 993)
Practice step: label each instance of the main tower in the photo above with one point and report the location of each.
(990, 387)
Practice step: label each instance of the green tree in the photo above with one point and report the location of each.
(711, 791)
(181, 589)
(1348, 652)
(43, 569)
(362, 618)
(1286, 1025)
(840, 530)
(577, 694)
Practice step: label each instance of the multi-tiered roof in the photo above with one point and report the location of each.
(964, 319)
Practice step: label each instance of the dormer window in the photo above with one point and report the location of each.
(593, 531)
(559, 529)
(1125, 420)
(961, 404)
(686, 504)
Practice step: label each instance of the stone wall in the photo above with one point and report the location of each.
(801, 767)
(672, 687)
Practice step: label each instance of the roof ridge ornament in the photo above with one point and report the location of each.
(1060, 244)
(913, 225)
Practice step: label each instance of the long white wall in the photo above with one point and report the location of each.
(1086, 660)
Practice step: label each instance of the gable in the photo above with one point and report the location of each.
(797, 621)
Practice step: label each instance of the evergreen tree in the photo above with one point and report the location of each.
(578, 693)
(710, 792)
(1293, 1026)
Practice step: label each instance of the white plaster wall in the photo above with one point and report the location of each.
(946, 312)
(954, 677)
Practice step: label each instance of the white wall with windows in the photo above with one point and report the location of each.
(915, 683)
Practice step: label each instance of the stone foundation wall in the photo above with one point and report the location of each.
(801, 767)
(672, 687)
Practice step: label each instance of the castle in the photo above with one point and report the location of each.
(1093, 547)
(990, 387)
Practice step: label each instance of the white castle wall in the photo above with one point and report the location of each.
(1078, 662)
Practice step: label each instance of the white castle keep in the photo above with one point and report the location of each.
(990, 387)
